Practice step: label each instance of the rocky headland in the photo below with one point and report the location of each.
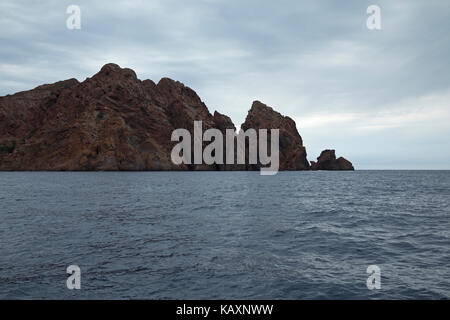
(114, 121)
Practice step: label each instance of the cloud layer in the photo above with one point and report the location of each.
(381, 98)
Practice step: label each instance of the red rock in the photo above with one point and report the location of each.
(344, 164)
(114, 121)
(292, 151)
(327, 161)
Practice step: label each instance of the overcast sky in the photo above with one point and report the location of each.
(381, 98)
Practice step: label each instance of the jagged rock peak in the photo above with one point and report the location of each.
(114, 71)
(114, 121)
(259, 107)
(292, 151)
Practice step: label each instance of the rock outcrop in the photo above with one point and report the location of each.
(114, 121)
(327, 161)
(292, 151)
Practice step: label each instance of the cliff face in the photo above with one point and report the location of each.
(111, 121)
(114, 121)
(292, 151)
(327, 161)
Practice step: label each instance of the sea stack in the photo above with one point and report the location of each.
(327, 161)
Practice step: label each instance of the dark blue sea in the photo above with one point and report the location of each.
(225, 235)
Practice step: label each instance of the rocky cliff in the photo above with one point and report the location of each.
(114, 121)
(292, 151)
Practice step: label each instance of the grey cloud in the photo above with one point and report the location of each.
(305, 58)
